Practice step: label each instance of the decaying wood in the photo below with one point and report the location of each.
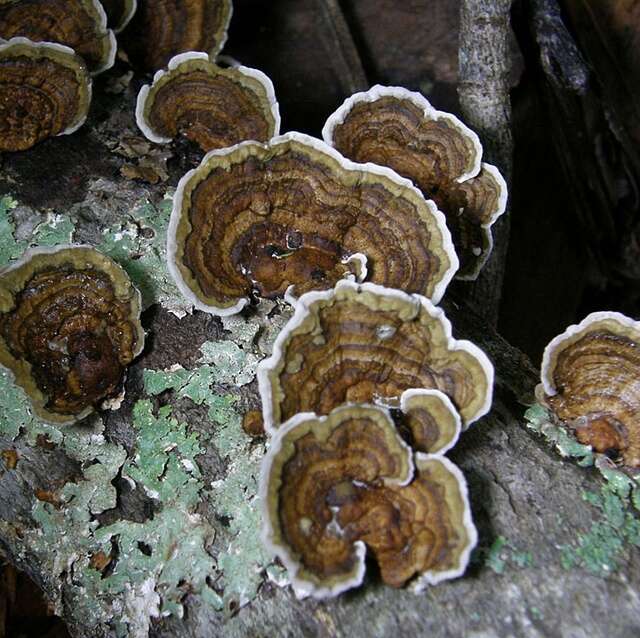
(588, 74)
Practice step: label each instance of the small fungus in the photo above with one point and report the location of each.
(259, 218)
(332, 486)
(330, 353)
(78, 24)
(69, 326)
(160, 29)
(252, 424)
(211, 106)
(45, 90)
(431, 418)
(119, 12)
(394, 127)
(590, 375)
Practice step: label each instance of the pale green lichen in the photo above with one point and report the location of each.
(241, 558)
(502, 552)
(541, 420)
(165, 477)
(14, 410)
(170, 547)
(160, 556)
(602, 549)
(232, 363)
(138, 244)
(55, 230)
(9, 247)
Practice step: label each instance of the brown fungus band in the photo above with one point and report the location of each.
(78, 24)
(591, 377)
(258, 218)
(45, 90)
(397, 128)
(69, 326)
(364, 344)
(119, 12)
(333, 486)
(213, 107)
(160, 29)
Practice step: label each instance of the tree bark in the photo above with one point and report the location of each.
(485, 62)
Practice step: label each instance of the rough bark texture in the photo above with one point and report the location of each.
(485, 65)
(534, 573)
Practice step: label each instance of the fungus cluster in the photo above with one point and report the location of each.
(69, 326)
(394, 127)
(364, 343)
(366, 389)
(364, 393)
(590, 380)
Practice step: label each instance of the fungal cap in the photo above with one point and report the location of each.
(427, 262)
(310, 325)
(614, 322)
(160, 30)
(203, 85)
(432, 418)
(390, 462)
(330, 486)
(27, 288)
(79, 24)
(457, 495)
(46, 58)
(377, 92)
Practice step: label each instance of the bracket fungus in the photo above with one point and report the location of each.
(394, 127)
(364, 343)
(333, 486)
(119, 12)
(590, 375)
(45, 90)
(69, 326)
(259, 218)
(160, 29)
(212, 106)
(78, 24)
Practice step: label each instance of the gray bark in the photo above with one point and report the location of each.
(485, 64)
